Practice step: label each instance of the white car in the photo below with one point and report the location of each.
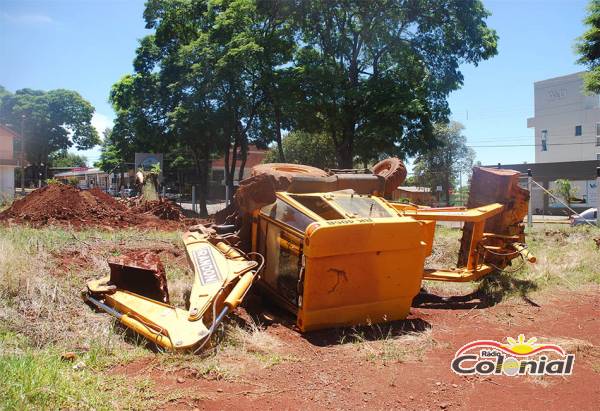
(588, 216)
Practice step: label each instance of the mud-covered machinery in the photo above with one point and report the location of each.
(328, 247)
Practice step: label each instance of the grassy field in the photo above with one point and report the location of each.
(55, 352)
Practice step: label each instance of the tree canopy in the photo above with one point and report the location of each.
(300, 147)
(443, 165)
(64, 158)
(52, 121)
(216, 75)
(374, 75)
(588, 47)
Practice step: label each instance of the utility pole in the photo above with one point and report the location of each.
(598, 196)
(460, 187)
(22, 160)
(530, 207)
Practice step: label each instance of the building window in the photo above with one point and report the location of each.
(598, 141)
(597, 129)
(577, 130)
(544, 140)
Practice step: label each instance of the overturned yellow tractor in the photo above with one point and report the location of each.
(326, 246)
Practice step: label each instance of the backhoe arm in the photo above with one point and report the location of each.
(222, 277)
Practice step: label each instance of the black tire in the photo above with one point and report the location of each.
(394, 172)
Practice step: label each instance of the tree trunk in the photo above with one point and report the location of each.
(201, 161)
(244, 153)
(447, 188)
(204, 169)
(344, 151)
(278, 138)
(231, 171)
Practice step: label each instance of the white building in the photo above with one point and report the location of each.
(8, 162)
(566, 122)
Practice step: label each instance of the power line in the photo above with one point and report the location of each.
(536, 145)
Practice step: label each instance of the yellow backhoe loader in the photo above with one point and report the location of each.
(326, 246)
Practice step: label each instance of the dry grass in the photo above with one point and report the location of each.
(566, 258)
(409, 347)
(42, 316)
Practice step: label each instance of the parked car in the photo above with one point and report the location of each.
(172, 194)
(588, 216)
(128, 192)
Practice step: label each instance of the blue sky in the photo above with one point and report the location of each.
(87, 45)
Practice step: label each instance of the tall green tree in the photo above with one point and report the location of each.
(375, 74)
(443, 165)
(204, 77)
(52, 121)
(588, 47)
(300, 147)
(64, 158)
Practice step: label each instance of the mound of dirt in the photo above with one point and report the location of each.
(61, 204)
(163, 209)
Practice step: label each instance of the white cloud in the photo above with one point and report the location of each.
(27, 18)
(101, 122)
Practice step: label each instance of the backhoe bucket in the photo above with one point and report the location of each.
(140, 272)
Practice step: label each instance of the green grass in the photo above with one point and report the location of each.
(40, 379)
(390, 348)
(42, 316)
(37, 379)
(32, 240)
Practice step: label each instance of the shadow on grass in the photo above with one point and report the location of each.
(492, 290)
(376, 332)
(264, 312)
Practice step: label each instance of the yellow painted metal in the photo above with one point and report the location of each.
(471, 215)
(361, 271)
(215, 268)
(457, 275)
(222, 276)
(524, 252)
(160, 323)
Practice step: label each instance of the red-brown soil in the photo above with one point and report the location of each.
(163, 209)
(59, 204)
(329, 374)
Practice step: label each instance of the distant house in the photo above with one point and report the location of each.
(86, 177)
(417, 195)
(8, 161)
(217, 178)
(255, 157)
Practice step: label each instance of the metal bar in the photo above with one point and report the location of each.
(530, 205)
(104, 307)
(598, 196)
(476, 237)
(194, 198)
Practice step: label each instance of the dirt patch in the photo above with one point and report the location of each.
(337, 369)
(59, 204)
(65, 261)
